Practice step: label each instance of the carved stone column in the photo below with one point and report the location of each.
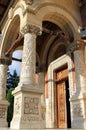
(3, 102)
(78, 100)
(27, 96)
(28, 60)
(29, 55)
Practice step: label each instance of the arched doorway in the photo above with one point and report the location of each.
(53, 47)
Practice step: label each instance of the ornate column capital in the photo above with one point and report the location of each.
(5, 61)
(29, 28)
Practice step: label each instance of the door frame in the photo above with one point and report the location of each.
(50, 101)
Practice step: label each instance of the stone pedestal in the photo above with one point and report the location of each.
(3, 113)
(27, 108)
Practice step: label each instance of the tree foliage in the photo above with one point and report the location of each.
(12, 82)
(10, 99)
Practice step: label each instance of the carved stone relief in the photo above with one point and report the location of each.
(28, 60)
(2, 112)
(31, 29)
(30, 118)
(31, 106)
(17, 105)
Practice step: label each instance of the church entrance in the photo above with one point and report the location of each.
(63, 117)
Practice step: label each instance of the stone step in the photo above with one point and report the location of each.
(40, 129)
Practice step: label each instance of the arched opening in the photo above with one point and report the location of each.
(11, 34)
(51, 46)
(13, 73)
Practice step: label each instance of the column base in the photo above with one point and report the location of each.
(27, 108)
(3, 113)
(78, 112)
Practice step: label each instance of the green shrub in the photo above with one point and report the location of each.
(10, 99)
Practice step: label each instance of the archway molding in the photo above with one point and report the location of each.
(46, 8)
(12, 27)
(56, 64)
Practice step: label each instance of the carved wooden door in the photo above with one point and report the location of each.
(61, 105)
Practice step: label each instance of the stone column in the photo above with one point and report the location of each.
(78, 100)
(27, 96)
(28, 60)
(3, 102)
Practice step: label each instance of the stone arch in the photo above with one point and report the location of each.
(12, 27)
(50, 8)
(11, 34)
(66, 30)
(61, 17)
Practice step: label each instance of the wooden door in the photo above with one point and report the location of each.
(61, 105)
(61, 77)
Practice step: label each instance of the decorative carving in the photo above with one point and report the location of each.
(31, 106)
(17, 105)
(28, 59)
(77, 110)
(31, 29)
(29, 1)
(30, 118)
(2, 112)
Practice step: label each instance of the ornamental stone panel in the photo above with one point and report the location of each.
(31, 106)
